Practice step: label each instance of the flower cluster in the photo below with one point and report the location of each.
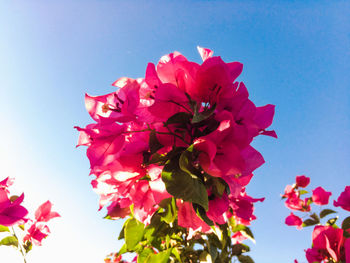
(330, 243)
(183, 131)
(12, 214)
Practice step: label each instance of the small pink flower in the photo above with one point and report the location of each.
(36, 233)
(320, 196)
(313, 255)
(302, 181)
(347, 250)
(328, 240)
(293, 220)
(44, 213)
(344, 199)
(11, 212)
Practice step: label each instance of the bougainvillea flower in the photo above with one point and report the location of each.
(36, 233)
(313, 255)
(213, 78)
(175, 69)
(217, 207)
(293, 220)
(302, 181)
(243, 207)
(11, 212)
(44, 213)
(344, 199)
(347, 250)
(205, 53)
(7, 182)
(320, 196)
(182, 103)
(238, 237)
(188, 218)
(328, 239)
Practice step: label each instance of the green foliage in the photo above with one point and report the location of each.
(346, 223)
(9, 241)
(201, 116)
(4, 229)
(184, 185)
(326, 212)
(313, 220)
(133, 233)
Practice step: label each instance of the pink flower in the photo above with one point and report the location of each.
(44, 213)
(347, 250)
(11, 213)
(293, 220)
(238, 237)
(344, 199)
(313, 255)
(320, 196)
(302, 181)
(36, 233)
(328, 240)
(188, 218)
(205, 53)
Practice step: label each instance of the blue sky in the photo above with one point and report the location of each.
(295, 53)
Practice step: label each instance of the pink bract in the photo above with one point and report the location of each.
(293, 220)
(44, 213)
(11, 213)
(320, 196)
(344, 199)
(302, 181)
(133, 131)
(328, 239)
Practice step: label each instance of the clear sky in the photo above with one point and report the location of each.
(296, 55)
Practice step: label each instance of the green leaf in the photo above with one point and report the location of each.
(213, 252)
(185, 161)
(9, 241)
(180, 117)
(248, 233)
(176, 253)
(309, 222)
(245, 259)
(161, 257)
(154, 144)
(326, 212)
(183, 185)
(28, 246)
(170, 211)
(201, 116)
(143, 255)
(238, 249)
(346, 223)
(133, 233)
(302, 192)
(202, 214)
(123, 249)
(332, 221)
(315, 217)
(4, 229)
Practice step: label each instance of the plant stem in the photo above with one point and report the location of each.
(19, 245)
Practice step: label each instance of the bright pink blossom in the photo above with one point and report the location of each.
(293, 220)
(36, 233)
(302, 181)
(320, 196)
(344, 199)
(44, 213)
(313, 255)
(11, 212)
(328, 240)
